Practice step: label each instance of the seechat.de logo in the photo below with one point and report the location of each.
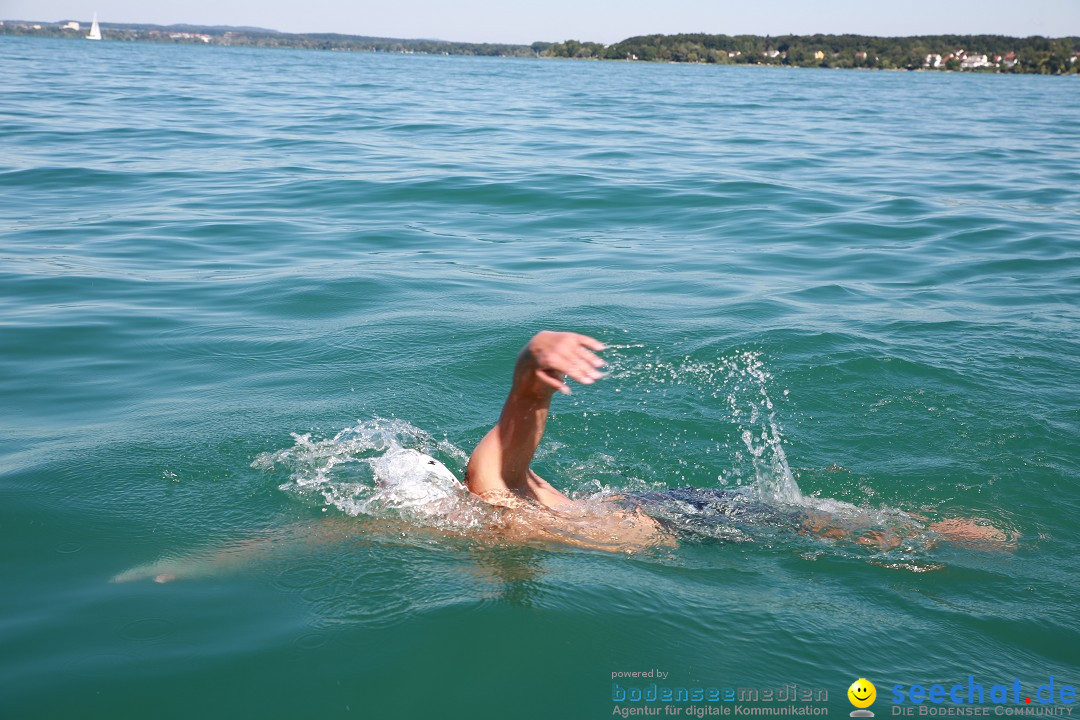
(862, 694)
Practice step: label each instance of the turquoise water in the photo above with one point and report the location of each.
(230, 276)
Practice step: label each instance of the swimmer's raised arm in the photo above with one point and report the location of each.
(500, 462)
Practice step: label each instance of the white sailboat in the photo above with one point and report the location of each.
(95, 30)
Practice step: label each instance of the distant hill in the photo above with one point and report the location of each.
(976, 53)
(207, 29)
(261, 37)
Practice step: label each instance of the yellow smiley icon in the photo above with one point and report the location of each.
(862, 693)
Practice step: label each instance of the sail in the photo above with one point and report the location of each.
(95, 31)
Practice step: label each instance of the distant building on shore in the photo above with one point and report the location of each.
(970, 62)
(189, 36)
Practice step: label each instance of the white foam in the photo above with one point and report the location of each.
(409, 479)
(380, 468)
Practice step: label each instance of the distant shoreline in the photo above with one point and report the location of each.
(968, 53)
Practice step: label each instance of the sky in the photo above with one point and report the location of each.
(606, 21)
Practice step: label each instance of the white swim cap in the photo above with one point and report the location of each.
(410, 479)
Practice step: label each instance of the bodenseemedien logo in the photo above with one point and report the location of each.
(862, 694)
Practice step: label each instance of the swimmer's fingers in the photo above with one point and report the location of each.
(590, 342)
(578, 365)
(583, 364)
(591, 358)
(566, 354)
(582, 355)
(553, 380)
(553, 376)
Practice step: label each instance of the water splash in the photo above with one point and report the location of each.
(379, 468)
(747, 383)
(739, 383)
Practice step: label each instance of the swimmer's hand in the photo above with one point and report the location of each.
(550, 356)
(162, 571)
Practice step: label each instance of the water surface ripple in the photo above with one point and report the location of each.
(204, 250)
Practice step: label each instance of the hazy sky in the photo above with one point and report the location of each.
(518, 21)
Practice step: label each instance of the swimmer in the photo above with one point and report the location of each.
(528, 509)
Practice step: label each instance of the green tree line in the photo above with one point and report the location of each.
(1027, 55)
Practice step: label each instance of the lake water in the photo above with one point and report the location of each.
(230, 277)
